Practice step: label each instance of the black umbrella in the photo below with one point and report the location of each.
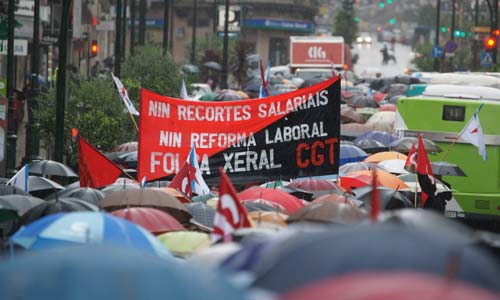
(389, 199)
(212, 65)
(446, 168)
(56, 206)
(371, 146)
(404, 145)
(201, 213)
(86, 194)
(14, 206)
(50, 168)
(41, 186)
(363, 101)
(129, 159)
(11, 190)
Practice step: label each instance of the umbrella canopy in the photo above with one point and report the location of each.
(367, 112)
(396, 166)
(287, 201)
(103, 273)
(404, 145)
(126, 147)
(146, 198)
(153, 220)
(359, 166)
(371, 146)
(203, 198)
(12, 190)
(446, 168)
(315, 185)
(86, 194)
(344, 250)
(338, 213)
(41, 186)
(185, 243)
(379, 136)
(202, 213)
(252, 206)
(13, 206)
(213, 65)
(389, 286)
(353, 129)
(213, 256)
(228, 95)
(388, 107)
(209, 97)
(121, 184)
(382, 120)
(384, 178)
(351, 153)
(349, 115)
(50, 168)
(362, 101)
(70, 229)
(386, 155)
(268, 219)
(275, 184)
(128, 160)
(389, 199)
(411, 181)
(51, 207)
(181, 196)
(336, 198)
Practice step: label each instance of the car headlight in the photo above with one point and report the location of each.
(368, 39)
(359, 39)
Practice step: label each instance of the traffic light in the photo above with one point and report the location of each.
(496, 32)
(94, 48)
(490, 43)
(381, 4)
(392, 21)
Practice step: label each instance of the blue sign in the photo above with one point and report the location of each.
(486, 59)
(272, 24)
(437, 51)
(450, 46)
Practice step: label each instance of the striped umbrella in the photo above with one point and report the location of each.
(72, 229)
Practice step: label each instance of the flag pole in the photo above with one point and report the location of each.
(133, 121)
(416, 188)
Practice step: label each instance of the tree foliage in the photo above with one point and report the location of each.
(344, 25)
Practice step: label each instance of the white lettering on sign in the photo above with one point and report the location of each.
(249, 161)
(20, 47)
(316, 52)
(295, 133)
(159, 109)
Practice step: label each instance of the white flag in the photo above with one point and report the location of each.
(21, 179)
(124, 95)
(473, 133)
(184, 93)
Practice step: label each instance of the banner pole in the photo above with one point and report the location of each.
(133, 121)
(416, 188)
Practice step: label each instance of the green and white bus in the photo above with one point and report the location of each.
(441, 119)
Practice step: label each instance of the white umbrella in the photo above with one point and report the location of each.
(396, 166)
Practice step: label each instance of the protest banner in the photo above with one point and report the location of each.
(291, 135)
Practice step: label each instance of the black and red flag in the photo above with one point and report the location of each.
(280, 137)
(411, 160)
(424, 171)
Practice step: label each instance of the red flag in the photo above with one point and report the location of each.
(230, 213)
(263, 78)
(95, 170)
(424, 172)
(411, 161)
(181, 180)
(375, 203)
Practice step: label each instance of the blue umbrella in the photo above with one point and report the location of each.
(381, 136)
(351, 153)
(70, 229)
(339, 251)
(98, 272)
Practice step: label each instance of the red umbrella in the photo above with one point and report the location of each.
(314, 185)
(287, 201)
(334, 198)
(378, 96)
(350, 182)
(389, 286)
(387, 107)
(154, 220)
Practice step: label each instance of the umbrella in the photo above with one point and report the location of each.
(121, 184)
(336, 198)
(411, 181)
(371, 146)
(209, 97)
(11, 190)
(102, 273)
(400, 285)
(358, 166)
(396, 166)
(446, 168)
(362, 101)
(146, 198)
(228, 95)
(86, 194)
(151, 219)
(382, 120)
(50, 168)
(13, 206)
(70, 229)
(367, 112)
(126, 147)
(315, 185)
(353, 129)
(405, 144)
(338, 213)
(214, 255)
(345, 142)
(55, 206)
(275, 184)
(260, 206)
(268, 219)
(379, 136)
(203, 198)
(213, 65)
(387, 107)
(182, 197)
(189, 68)
(351, 116)
(386, 155)
(287, 201)
(351, 153)
(343, 250)
(41, 186)
(389, 199)
(128, 159)
(185, 243)
(202, 213)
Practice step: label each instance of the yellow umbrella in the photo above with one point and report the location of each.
(268, 219)
(385, 155)
(185, 243)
